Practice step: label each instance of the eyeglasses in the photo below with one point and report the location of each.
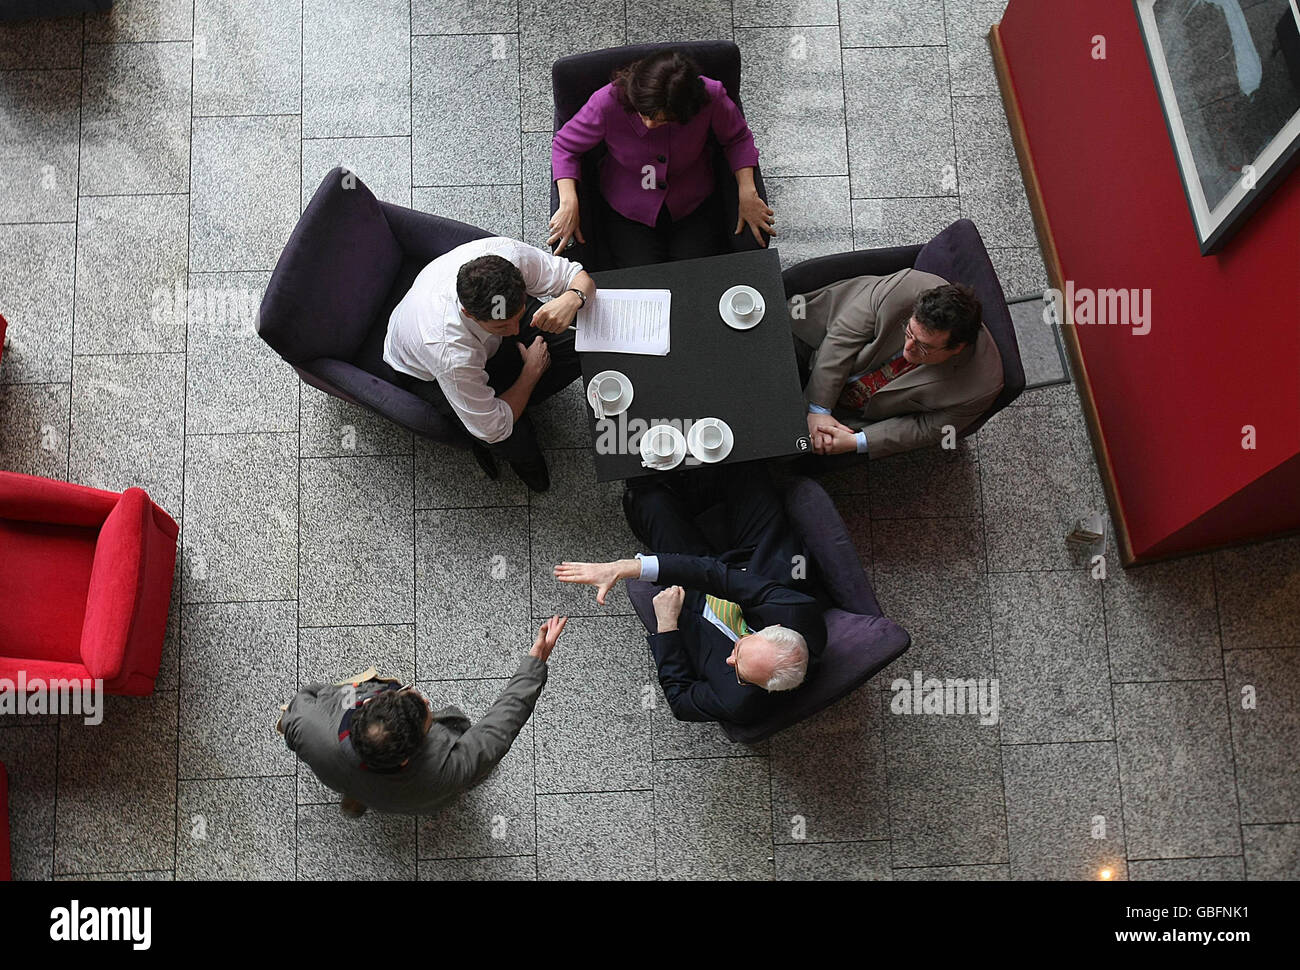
(923, 350)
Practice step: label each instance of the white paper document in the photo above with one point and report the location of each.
(625, 322)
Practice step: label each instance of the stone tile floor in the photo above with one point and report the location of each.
(173, 143)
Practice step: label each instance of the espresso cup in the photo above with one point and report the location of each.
(662, 445)
(610, 390)
(711, 437)
(742, 303)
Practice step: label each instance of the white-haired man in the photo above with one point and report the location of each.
(738, 620)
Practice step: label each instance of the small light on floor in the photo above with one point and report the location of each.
(1105, 874)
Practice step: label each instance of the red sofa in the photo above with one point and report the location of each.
(85, 583)
(5, 874)
(4, 325)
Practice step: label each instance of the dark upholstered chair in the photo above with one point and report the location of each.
(349, 261)
(958, 255)
(575, 79)
(45, 9)
(860, 641)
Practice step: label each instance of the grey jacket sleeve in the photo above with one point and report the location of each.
(904, 432)
(306, 718)
(480, 748)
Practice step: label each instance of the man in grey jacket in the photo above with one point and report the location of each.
(385, 747)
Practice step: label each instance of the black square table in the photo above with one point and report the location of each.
(748, 378)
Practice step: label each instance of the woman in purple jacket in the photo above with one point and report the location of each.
(657, 176)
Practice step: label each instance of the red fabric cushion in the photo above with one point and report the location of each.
(5, 874)
(44, 576)
(115, 586)
(33, 499)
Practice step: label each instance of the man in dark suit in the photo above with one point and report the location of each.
(739, 618)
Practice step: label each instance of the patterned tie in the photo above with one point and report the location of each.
(730, 614)
(857, 393)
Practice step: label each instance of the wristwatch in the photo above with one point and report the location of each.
(581, 296)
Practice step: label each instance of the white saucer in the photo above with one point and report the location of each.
(679, 447)
(699, 451)
(624, 399)
(730, 318)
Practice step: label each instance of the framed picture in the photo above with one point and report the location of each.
(1228, 74)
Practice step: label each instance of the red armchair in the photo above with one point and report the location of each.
(4, 325)
(85, 582)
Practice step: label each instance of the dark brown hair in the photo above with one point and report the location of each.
(667, 82)
(953, 309)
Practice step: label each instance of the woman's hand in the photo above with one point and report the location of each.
(755, 213)
(565, 225)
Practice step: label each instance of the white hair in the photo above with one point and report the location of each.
(791, 653)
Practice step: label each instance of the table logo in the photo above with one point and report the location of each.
(802, 442)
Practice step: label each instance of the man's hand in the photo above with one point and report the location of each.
(755, 212)
(668, 607)
(843, 441)
(547, 634)
(556, 315)
(602, 575)
(537, 357)
(821, 428)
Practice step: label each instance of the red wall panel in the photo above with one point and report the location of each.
(1223, 350)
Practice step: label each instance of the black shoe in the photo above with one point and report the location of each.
(485, 460)
(534, 474)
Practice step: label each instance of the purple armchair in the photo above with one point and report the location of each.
(859, 640)
(348, 262)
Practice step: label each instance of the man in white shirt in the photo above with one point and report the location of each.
(446, 335)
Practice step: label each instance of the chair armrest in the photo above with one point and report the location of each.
(130, 590)
(813, 274)
(388, 400)
(827, 540)
(424, 236)
(28, 498)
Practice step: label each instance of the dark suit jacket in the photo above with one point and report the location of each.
(692, 660)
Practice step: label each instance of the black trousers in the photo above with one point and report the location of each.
(733, 513)
(503, 369)
(632, 243)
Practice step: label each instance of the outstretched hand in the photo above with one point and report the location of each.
(603, 575)
(547, 634)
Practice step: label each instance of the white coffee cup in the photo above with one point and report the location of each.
(711, 437)
(742, 303)
(662, 444)
(610, 389)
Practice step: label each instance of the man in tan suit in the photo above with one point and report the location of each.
(892, 362)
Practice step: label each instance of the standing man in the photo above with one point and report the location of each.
(447, 336)
(385, 747)
(737, 621)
